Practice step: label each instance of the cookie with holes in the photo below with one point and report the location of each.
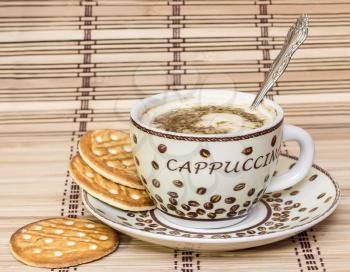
(62, 242)
(108, 152)
(117, 195)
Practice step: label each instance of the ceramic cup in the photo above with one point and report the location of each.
(213, 181)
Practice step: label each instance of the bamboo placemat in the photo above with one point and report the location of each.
(67, 66)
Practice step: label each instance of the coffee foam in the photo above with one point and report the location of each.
(224, 121)
(263, 111)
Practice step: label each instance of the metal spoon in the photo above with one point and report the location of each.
(296, 36)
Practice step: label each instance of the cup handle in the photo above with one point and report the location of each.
(302, 166)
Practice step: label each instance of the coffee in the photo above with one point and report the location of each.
(208, 119)
(207, 113)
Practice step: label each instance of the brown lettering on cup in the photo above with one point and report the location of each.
(185, 166)
(244, 165)
(272, 158)
(255, 163)
(235, 169)
(168, 164)
(226, 166)
(275, 154)
(200, 165)
(214, 166)
(266, 158)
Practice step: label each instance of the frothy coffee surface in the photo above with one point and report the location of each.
(209, 119)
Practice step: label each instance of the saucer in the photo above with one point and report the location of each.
(277, 216)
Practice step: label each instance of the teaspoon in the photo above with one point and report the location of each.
(296, 36)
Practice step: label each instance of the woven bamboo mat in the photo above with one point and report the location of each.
(67, 66)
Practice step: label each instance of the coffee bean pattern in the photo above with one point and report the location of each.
(247, 150)
(277, 195)
(313, 177)
(286, 212)
(162, 148)
(221, 206)
(246, 204)
(173, 194)
(234, 208)
(230, 200)
(173, 201)
(156, 183)
(328, 199)
(321, 195)
(215, 198)
(158, 198)
(208, 205)
(239, 187)
(211, 215)
(266, 178)
(231, 214)
(251, 192)
(178, 183)
(200, 211)
(185, 207)
(180, 213)
(243, 211)
(192, 214)
(273, 141)
(155, 165)
(296, 205)
(134, 138)
(201, 191)
(193, 203)
(204, 153)
(288, 202)
(219, 211)
(171, 207)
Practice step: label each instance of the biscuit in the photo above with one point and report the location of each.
(117, 195)
(108, 152)
(62, 242)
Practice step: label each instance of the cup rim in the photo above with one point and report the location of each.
(144, 104)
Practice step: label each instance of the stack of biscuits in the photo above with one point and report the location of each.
(105, 168)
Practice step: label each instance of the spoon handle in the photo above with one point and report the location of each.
(295, 37)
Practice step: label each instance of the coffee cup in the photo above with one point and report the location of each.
(213, 180)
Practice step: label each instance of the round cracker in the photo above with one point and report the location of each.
(62, 242)
(117, 195)
(108, 152)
